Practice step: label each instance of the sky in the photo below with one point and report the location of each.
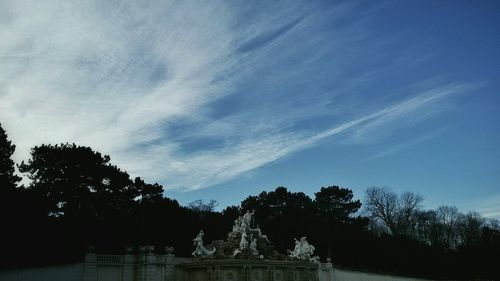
(225, 99)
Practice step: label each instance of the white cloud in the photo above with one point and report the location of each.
(488, 207)
(73, 74)
(210, 167)
(119, 77)
(399, 147)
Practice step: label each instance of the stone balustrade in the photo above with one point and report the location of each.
(146, 266)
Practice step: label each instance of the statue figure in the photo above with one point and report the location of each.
(306, 250)
(247, 220)
(253, 246)
(243, 241)
(236, 252)
(236, 225)
(200, 250)
(303, 250)
(296, 250)
(315, 259)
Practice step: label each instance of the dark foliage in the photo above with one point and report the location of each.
(282, 214)
(77, 198)
(77, 183)
(8, 179)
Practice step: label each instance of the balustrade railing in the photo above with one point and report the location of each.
(109, 259)
(160, 259)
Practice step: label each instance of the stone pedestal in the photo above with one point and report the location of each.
(169, 272)
(150, 267)
(325, 271)
(128, 267)
(90, 267)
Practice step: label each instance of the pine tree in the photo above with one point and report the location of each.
(8, 178)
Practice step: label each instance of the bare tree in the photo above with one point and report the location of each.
(471, 228)
(201, 206)
(450, 220)
(381, 205)
(447, 228)
(409, 204)
(426, 226)
(397, 214)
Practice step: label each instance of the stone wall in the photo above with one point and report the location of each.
(348, 275)
(152, 267)
(240, 269)
(70, 272)
(145, 267)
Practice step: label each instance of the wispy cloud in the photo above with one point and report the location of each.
(489, 207)
(400, 147)
(216, 165)
(192, 94)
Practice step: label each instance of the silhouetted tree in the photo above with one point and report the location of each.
(8, 178)
(150, 193)
(471, 228)
(77, 181)
(11, 201)
(21, 213)
(282, 214)
(396, 214)
(201, 206)
(231, 212)
(409, 205)
(277, 203)
(381, 205)
(449, 220)
(335, 204)
(427, 227)
(333, 208)
(76, 198)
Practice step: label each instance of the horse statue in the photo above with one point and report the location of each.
(200, 250)
(303, 250)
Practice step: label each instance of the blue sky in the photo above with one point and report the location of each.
(224, 99)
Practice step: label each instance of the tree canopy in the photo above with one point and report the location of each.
(77, 181)
(336, 204)
(8, 178)
(395, 213)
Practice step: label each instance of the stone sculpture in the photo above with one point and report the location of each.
(247, 220)
(246, 242)
(303, 251)
(243, 241)
(237, 224)
(246, 254)
(253, 247)
(200, 250)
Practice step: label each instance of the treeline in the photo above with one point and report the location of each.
(444, 228)
(75, 198)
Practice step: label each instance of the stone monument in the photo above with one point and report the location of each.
(200, 250)
(247, 254)
(303, 251)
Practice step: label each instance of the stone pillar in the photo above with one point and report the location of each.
(149, 267)
(140, 261)
(90, 267)
(128, 267)
(170, 274)
(325, 271)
